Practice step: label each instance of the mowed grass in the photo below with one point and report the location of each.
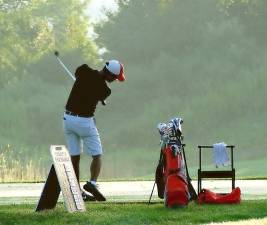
(133, 213)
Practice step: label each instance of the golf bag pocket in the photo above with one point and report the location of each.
(159, 178)
(172, 159)
(176, 191)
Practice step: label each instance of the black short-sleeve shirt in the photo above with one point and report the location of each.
(88, 89)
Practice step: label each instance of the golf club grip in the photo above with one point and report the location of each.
(103, 102)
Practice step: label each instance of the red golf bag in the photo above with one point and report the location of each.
(176, 187)
(172, 178)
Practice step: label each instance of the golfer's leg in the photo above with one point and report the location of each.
(74, 150)
(92, 145)
(90, 186)
(75, 159)
(73, 142)
(95, 167)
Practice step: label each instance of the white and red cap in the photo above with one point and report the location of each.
(116, 68)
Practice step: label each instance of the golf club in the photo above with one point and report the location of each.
(62, 64)
(68, 72)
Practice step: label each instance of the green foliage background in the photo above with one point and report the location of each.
(201, 60)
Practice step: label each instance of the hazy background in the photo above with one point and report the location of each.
(202, 60)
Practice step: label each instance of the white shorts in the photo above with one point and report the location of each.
(81, 132)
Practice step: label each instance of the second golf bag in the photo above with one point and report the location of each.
(171, 174)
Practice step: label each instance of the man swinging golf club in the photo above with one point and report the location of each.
(89, 88)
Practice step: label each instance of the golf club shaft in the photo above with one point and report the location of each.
(65, 68)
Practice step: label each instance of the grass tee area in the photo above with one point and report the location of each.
(134, 213)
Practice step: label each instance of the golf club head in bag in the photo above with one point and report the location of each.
(171, 132)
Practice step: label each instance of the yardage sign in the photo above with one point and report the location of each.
(67, 179)
(61, 176)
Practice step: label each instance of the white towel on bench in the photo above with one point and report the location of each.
(220, 156)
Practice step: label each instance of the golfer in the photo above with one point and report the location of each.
(79, 125)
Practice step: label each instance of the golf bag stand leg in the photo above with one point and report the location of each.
(158, 173)
(190, 186)
(152, 192)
